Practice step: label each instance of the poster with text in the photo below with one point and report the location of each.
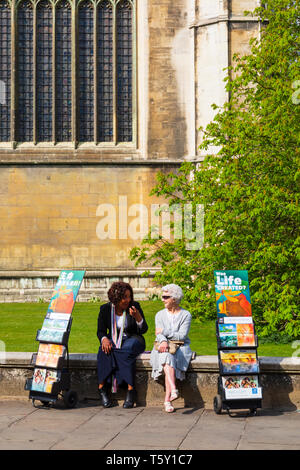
(66, 291)
(232, 294)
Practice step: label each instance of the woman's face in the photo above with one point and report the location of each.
(124, 303)
(169, 301)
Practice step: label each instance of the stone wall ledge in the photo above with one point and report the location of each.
(34, 285)
(200, 363)
(90, 273)
(279, 377)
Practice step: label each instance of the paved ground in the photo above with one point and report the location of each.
(91, 427)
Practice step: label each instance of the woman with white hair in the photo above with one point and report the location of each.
(171, 324)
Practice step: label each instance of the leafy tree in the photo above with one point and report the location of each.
(249, 189)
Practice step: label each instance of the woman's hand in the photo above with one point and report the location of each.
(163, 347)
(106, 345)
(135, 314)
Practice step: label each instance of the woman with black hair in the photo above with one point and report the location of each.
(121, 324)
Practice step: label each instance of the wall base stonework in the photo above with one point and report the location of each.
(26, 286)
(280, 379)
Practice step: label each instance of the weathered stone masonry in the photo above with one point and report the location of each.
(49, 194)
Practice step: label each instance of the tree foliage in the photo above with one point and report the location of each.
(249, 188)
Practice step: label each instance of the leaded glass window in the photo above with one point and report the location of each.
(124, 71)
(5, 70)
(44, 71)
(25, 72)
(86, 71)
(63, 72)
(71, 67)
(105, 71)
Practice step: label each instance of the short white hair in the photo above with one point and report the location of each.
(174, 291)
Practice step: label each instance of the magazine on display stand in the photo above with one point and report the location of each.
(54, 327)
(238, 384)
(236, 334)
(44, 379)
(65, 292)
(49, 354)
(241, 387)
(239, 361)
(232, 294)
(51, 374)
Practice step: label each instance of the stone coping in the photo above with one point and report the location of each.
(200, 363)
(90, 273)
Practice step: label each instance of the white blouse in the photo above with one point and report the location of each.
(119, 321)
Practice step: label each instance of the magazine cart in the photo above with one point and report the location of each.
(221, 400)
(234, 374)
(62, 386)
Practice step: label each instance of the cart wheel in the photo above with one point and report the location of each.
(253, 411)
(218, 404)
(70, 399)
(46, 403)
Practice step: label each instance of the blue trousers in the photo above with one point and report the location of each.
(120, 362)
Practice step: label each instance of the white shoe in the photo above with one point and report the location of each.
(174, 394)
(168, 407)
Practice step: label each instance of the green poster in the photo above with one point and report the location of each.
(66, 291)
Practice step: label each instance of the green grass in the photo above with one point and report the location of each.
(20, 322)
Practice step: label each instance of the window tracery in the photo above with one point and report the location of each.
(73, 63)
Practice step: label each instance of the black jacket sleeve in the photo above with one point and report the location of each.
(104, 322)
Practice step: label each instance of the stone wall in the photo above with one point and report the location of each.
(71, 217)
(280, 379)
(52, 196)
(36, 286)
(221, 30)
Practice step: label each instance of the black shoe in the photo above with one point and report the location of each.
(129, 400)
(104, 398)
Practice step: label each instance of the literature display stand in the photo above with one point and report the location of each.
(51, 377)
(238, 382)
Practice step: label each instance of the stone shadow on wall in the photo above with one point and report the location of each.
(276, 389)
(151, 392)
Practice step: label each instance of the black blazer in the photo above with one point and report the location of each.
(132, 329)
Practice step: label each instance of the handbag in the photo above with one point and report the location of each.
(173, 345)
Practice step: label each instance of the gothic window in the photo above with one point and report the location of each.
(5, 70)
(86, 71)
(105, 71)
(124, 71)
(67, 72)
(44, 62)
(63, 72)
(24, 78)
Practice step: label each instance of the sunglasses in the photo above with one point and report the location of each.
(165, 297)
